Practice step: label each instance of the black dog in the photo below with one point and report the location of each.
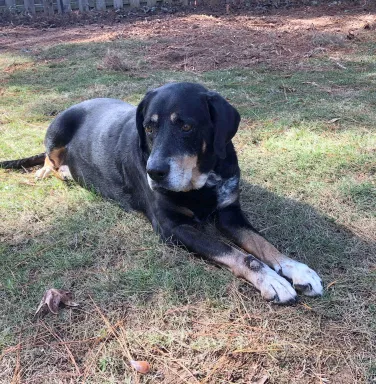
(172, 158)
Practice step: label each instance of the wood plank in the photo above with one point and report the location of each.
(60, 6)
(83, 5)
(48, 7)
(11, 5)
(118, 4)
(67, 6)
(29, 6)
(100, 5)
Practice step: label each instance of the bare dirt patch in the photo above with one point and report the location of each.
(209, 41)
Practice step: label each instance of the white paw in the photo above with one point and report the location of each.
(64, 173)
(43, 172)
(304, 279)
(275, 288)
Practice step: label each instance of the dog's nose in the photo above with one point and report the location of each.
(158, 173)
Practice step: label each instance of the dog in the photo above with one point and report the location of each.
(172, 158)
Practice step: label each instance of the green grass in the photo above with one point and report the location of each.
(306, 149)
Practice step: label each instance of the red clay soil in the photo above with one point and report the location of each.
(202, 40)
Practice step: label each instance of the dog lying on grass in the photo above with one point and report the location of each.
(172, 158)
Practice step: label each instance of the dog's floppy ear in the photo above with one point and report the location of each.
(225, 119)
(140, 116)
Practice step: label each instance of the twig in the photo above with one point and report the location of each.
(122, 343)
(215, 368)
(56, 336)
(17, 370)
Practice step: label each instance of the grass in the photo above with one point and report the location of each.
(306, 148)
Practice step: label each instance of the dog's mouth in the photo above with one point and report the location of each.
(165, 186)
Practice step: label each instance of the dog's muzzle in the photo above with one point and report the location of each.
(158, 172)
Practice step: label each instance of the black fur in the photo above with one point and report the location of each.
(24, 163)
(180, 135)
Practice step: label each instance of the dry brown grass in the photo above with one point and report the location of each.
(307, 179)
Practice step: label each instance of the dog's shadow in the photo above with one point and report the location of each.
(109, 252)
(301, 231)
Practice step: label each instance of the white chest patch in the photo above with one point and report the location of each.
(227, 189)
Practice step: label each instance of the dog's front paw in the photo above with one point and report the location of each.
(275, 288)
(304, 279)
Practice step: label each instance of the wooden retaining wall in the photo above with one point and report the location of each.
(50, 7)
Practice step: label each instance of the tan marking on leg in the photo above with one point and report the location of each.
(57, 156)
(52, 163)
(47, 170)
(271, 285)
(261, 248)
(304, 278)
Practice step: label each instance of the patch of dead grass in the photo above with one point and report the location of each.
(201, 42)
(115, 61)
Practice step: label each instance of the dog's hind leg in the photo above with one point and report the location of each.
(53, 165)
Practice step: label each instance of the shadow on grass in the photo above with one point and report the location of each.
(114, 256)
(323, 98)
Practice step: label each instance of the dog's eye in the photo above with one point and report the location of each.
(186, 127)
(149, 129)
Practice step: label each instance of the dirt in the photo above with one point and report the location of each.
(206, 39)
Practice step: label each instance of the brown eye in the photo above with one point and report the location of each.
(149, 129)
(186, 127)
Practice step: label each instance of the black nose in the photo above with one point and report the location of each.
(158, 173)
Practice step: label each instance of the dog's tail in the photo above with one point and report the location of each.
(23, 163)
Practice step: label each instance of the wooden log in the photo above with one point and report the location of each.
(134, 3)
(67, 6)
(100, 5)
(151, 3)
(60, 6)
(83, 5)
(48, 7)
(29, 6)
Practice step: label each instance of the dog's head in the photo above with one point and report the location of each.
(183, 129)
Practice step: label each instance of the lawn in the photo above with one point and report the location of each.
(307, 152)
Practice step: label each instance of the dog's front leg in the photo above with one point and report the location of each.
(272, 286)
(232, 222)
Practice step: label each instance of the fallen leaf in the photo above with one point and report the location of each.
(52, 299)
(340, 65)
(334, 120)
(350, 35)
(140, 366)
(263, 380)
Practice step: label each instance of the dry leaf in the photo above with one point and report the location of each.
(287, 89)
(52, 299)
(140, 366)
(334, 120)
(263, 380)
(330, 284)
